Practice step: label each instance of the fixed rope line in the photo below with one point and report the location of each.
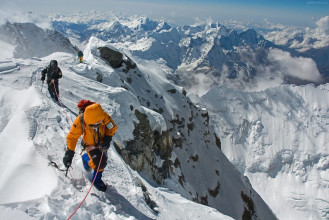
(67, 117)
(88, 190)
(66, 170)
(69, 120)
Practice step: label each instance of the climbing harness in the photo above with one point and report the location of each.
(95, 127)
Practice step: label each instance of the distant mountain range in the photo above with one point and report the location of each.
(162, 135)
(211, 49)
(171, 140)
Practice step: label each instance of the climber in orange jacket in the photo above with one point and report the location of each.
(97, 129)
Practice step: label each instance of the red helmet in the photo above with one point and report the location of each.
(83, 104)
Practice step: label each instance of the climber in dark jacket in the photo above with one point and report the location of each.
(53, 73)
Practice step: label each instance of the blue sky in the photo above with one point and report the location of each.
(289, 12)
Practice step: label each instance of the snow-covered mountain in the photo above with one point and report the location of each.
(33, 131)
(32, 41)
(275, 137)
(304, 41)
(245, 133)
(278, 138)
(211, 49)
(162, 135)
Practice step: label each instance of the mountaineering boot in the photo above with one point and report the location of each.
(85, 161)
(99, 184)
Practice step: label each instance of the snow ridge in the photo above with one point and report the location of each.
(44, 125)
(274, 137)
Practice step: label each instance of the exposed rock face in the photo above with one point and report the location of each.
(116, 58)
(249, 209)
(187, 153)
(150, 151)
(113, 57)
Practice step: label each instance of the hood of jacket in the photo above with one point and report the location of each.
(93, 114)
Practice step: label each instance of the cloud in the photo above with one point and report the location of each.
(296, 37)
(314, 37)
(255, 74)
(14, 15)
(320, 34)
(323, 26)
(200, 83)
(297, 67)
(280, 67)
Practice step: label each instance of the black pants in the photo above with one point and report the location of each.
(53, 90)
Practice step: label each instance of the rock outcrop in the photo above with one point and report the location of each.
(150, 151)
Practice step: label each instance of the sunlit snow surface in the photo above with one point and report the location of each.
(279, 139)
(32, 134)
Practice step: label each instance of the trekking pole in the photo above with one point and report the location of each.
(67, 169)
(41, 86)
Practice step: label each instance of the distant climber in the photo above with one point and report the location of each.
(53, 73)
(97, 129)
(80, 53)
(99, 77)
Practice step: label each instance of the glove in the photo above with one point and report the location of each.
(67, 159)
(106, 142)
(43, 79)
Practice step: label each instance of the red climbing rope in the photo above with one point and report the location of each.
(97, 167)
(61, 104)
(88, 190)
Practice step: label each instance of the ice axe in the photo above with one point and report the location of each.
(67, 168)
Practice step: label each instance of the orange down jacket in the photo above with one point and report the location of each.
(92, 115)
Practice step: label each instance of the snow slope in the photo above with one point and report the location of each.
(33, 130)
(195, 148)
(279, 139)
(276, 138)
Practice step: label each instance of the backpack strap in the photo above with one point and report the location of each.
(83, 131)
(83, 144)
(82, 123)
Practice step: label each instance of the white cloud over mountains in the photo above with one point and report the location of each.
(299, 67)
(15, 15)
(280, 67)
(298, 38)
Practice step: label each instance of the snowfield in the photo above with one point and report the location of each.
(279, 139)
(33, 131)
(270, 158)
